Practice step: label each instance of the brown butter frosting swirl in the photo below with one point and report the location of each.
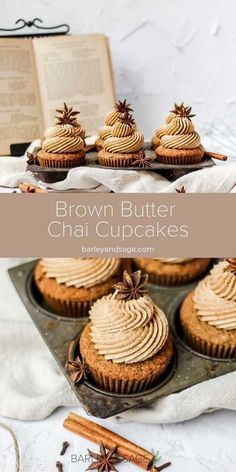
(128, 331)
(215, 298)
(80, 272)
(124, 139)
(63, 139)
(180, 134)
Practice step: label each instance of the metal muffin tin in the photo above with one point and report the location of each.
(62, 338)
(171, 172)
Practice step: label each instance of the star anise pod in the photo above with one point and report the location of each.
(180, 190)
(232, 265)
(123, 107)
(30, 189)
(142, 160)
(132, 287)
(32, 159)
(77, 369)
(106, 460)
(127, 119)
(181, 110)
(67, 116)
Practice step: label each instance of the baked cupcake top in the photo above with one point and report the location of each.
(80, 272)
(67, 136)
(128, 326)
(113, 116)
(125, 138)
(215, 296)
(180, 132)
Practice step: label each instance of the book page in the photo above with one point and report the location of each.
(20, 108)
(76, 70)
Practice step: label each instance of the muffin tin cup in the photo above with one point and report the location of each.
(169, 280)
(188, 367)
(114, 162)
(68, 308)
(179, 160)
(210, 349)
(123, 387)
(61, 164)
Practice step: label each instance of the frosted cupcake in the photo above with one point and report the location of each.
(173, 270)
(63, 144)
(180, 143)
(120, 109)
(126, 345)
(69, 286)
(124, 146)
(156, 139)
(208, 314)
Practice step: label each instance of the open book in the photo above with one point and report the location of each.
(37, 75)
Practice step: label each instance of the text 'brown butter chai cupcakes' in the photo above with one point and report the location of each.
(70, 285)
(208, 314)
(63, 144)
(179, 143)
(126, 345)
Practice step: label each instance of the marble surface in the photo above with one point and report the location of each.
(205, 444)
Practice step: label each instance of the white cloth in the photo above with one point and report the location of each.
(220, 179)
(32, 385)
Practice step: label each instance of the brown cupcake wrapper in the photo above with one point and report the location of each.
(61, 164)
(171, 160)
(69, 308)
(115, 162)
(169, 280)
(124, 387)
(221, 351)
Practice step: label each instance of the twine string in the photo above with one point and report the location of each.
(16, 446)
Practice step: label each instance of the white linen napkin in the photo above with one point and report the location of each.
(32, 385)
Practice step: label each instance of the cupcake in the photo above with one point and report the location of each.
(156, 139)
(63, 144)
(173, 270)
(180, 143)
(110, 119)
(208, 314)
(126, 345)
(124, 147)
(69, 286)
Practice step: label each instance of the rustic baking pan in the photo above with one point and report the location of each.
(62, 337)
(171, 172)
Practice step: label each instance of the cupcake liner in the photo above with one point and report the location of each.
(123, 387)
(115, 162)
(69, 308)
(169, 280)
(179, 160)
(221, 351)
(59, 163)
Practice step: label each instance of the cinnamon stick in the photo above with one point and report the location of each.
(214, 155)
(97, 434)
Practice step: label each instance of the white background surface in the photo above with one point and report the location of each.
(163, 50)
(206, 444)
